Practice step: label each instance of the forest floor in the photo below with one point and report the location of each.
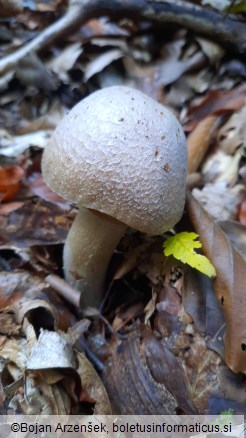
(167, 338)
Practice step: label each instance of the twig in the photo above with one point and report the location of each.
(225, 30)
(64, 289)
(72, 19)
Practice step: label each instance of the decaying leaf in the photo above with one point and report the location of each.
(200, 302)
(220, 167)
(93, 387)
(236, 233)
(44, 365)
(218, 102)
(200, 366)
(229, 283)
(62, 63)
(233, 134)
(219, 200)
(143, 377)
(102, 61)
(36, 223)
(17, 285)
(13, 146)
(39, 188)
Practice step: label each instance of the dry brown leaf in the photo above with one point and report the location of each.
(36, 223)
(229, 283)
(242, 213)
(39, 188)
(200, 302)
(17, 286)
(125, 315)
(10, 178)
(93, 386)
(199, 364)
(217, 102)
(199, 141)
(236, 233)
(7, 208)
(143, 378)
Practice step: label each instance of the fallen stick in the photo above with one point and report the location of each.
(225, 30)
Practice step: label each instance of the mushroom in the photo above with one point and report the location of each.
(122, 158)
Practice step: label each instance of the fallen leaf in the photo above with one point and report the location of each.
(213, 51)
(174, 65)
(40, 188)
(229, 283)
(13, 146)
(143, 378)
(232, 134)
(220, 167)
(36, 223)
(199, 141)
(65, 60)
(32, 72)
(102, 61)
(219, 200)
(200, 367)
(52, 350)
(8, 207)
(126, 315)
(93, 386)
(236, 233)
(10, 178)
(199, 301)
(217, 102)
(18, 285)
(242, 212)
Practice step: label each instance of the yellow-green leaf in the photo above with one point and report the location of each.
(182, 245)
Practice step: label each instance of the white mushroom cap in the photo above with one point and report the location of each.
(123, 154)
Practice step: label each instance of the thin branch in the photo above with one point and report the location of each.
(64, 289)
(225, 30)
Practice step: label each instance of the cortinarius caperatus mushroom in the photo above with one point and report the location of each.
(122, 158)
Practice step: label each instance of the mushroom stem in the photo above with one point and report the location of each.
(88, 249)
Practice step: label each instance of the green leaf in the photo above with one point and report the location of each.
(182, 245)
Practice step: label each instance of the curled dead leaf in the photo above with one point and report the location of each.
(93, 386)
(229, 283)
(45, 365)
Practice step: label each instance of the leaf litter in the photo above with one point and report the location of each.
(168, 338)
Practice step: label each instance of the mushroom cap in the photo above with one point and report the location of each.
(123, 154)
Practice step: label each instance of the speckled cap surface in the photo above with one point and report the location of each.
(120, 152)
